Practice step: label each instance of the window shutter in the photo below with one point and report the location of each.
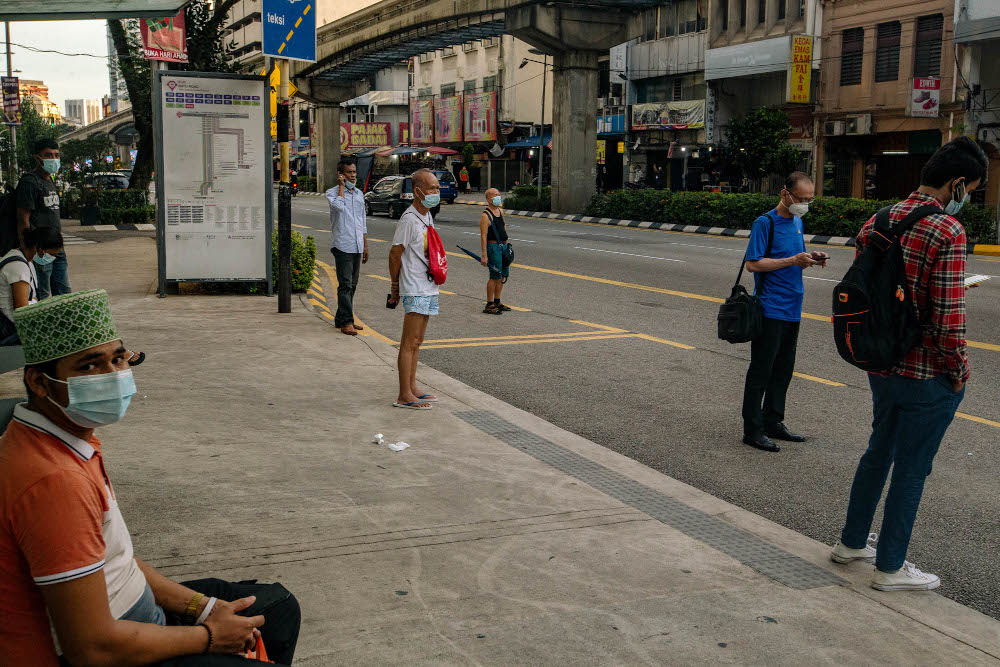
(852, 56)
(928, 48)
(887, 51)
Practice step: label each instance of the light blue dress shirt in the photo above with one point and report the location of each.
(347, 219)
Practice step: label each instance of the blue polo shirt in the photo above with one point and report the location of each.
(783, 289)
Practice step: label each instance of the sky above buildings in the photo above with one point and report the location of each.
(68, 77)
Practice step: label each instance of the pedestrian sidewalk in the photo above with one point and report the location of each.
(496, 537)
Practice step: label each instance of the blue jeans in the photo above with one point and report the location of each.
(53, 279)
(910, 420)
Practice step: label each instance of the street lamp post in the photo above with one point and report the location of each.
(10, 73)
(541, 132)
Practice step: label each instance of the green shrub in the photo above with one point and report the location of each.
(124, 207)
(307, 184)
(525, 198)
(303, 260)
(832, 216)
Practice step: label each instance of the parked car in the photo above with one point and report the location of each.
(392, 195)
(107, 180)
(449, 186)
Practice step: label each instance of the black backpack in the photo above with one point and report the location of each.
(741, 317)
(8, 220)
(875, 323)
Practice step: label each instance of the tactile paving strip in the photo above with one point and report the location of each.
(745, 547)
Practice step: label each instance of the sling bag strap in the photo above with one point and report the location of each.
(770, 244)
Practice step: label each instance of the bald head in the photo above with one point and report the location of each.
(423, 179)
(491, 193)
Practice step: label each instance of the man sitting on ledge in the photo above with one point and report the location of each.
(71, 591)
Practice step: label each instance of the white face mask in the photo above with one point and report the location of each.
(798, 210)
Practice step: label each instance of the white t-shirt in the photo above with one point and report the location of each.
(16, 272)
(411, 233)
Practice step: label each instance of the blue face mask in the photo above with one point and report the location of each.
(51, 165)
(44, 259)
(430, 201)
(98, 400)
(958, 198)
(497, 200)
(350, 184)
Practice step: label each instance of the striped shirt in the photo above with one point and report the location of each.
(59, 521)
(934, 253)
(348, 222)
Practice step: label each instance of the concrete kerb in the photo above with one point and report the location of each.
(981, 249)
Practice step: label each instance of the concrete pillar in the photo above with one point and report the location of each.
(328, 150)
(574, 126)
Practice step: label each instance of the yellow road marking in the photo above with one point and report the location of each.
(326, 314)
(664, 341)
(518, 309)
(813, 378)
(317, 286)
(377, 240)
(313, 293)
(978, 420)
(984, 259)
(525, 336)
(318, 304)
(599, 326)
(367, 331)
(983, 346)
(389, 280)
(301, 226)
(529, 342)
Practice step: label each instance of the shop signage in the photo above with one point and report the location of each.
(800, 70)
(621, 148)
(481, 116)
(164, 38)
(11, 100)
(710, 115)
(614, 124)
(404, 133)
(925, 98)
(601, 151)
(685, 115)
(766, 55)
(355, 136)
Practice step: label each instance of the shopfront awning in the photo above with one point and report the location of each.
(66, 10)
(440, 150)
(531, 142)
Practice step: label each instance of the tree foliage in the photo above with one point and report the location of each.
(757, 143)
(468, 155)
(95, 148)
(207, 52)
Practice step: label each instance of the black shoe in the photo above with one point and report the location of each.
(780, 432)
(761, 441)
(504, 308)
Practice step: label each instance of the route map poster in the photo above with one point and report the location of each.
(481, 116)
(448, 119)
(213, 176)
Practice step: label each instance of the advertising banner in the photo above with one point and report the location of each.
(601, 151)
(11, 100)
(925, 98)
(686, 115)
(355, 136)
(481, 116)
(800, 70)
(164, 39)
(422, 122)
(448, 119)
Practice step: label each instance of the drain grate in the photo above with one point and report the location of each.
(745, 547)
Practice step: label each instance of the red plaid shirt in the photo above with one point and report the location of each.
(934, 255)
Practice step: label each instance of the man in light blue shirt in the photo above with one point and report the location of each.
(350, 242)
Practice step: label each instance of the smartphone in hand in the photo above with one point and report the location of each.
(389, 303)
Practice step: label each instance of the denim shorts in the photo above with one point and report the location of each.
(494, 256)
(422, 305)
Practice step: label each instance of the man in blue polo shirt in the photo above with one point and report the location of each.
(779, 286)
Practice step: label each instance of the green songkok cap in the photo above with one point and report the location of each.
(63, 325)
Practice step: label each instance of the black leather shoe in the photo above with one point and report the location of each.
(761, 441)
(780, 432)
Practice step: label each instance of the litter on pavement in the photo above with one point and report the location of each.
(398, 446)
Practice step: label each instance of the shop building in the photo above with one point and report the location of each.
(889, 96)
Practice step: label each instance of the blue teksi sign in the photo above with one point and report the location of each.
(290, 29)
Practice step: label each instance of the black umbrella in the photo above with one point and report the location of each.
(477, 258)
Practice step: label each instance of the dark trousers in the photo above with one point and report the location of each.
(772, 362)
(348, 273)
(909, 421)
(280, 631)
(53, 279)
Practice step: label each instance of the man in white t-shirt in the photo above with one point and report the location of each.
(409, 270)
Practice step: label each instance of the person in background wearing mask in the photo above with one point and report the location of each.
(777, 265)
(71, 590)
(18, 279)
(491, 223)
(349, 244)
(37, 203)
(915, 402)
(408, 268)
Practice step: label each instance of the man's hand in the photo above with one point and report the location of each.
(364, 255)
(230, 631)
(340, 180)
(484, 261)
(803, 260)
(958, 385)
(820, 258)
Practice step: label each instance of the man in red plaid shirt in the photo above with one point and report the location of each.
(915, 403)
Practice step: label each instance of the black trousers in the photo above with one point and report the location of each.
(280, 631)
(772, 362)
(348, 274)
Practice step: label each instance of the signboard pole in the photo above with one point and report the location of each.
(10, 73)
(284, 198)
(541, 130)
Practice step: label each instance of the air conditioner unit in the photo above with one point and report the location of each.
(834, 128)
(860, 124)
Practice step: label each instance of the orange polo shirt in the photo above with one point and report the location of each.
(59, 521)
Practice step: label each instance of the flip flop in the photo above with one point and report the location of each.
(428, 398)
(411, 406)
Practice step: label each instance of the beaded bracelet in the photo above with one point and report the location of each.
(211, 640)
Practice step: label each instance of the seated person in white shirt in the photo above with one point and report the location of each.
(18, 280)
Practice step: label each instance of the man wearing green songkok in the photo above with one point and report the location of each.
(71, 590)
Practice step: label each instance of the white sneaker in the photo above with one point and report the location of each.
(842, 554)
(906, 578)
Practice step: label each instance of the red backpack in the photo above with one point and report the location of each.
(437, 264)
